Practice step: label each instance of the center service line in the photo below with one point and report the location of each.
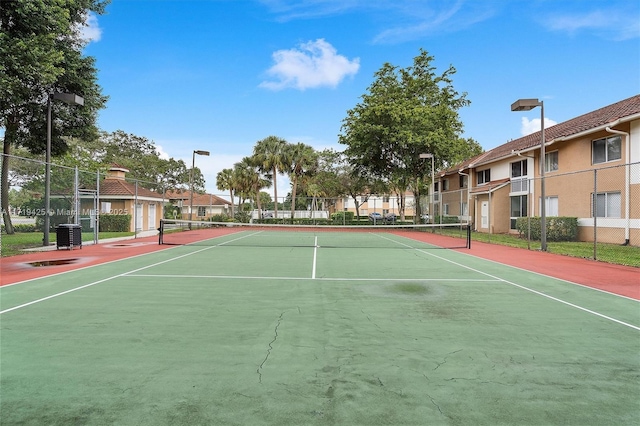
(315, 257)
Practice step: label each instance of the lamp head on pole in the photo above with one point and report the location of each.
(525, 104)
(200, 152)
(69, 98)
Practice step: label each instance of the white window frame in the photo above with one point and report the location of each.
(612, 204)
(483, 176)
(609, 143)
(525, 204)
(551, 161)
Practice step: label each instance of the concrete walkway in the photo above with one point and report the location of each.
(140, 234)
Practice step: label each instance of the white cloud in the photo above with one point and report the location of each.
(90, 31)
(313, 64)
(532, 126)
(162, 153)
(609, 24)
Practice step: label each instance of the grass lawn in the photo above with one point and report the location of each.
(14, 244)
(609, 253)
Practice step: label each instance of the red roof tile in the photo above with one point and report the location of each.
(119, 187)
(592, 120)
(198, 199)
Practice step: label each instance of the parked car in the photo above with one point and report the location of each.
(390, 217)
(425, 218)
(374, 217)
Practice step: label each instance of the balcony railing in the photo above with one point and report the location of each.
(519, 185)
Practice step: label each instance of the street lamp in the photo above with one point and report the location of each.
(71, 99)
(527, 105)
(193, 165)
(425, 156)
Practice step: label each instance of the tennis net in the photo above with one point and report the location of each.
(402, 236)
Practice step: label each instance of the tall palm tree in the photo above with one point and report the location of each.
(271, 153)
(251, 178)
(303, 162)
(225, 181)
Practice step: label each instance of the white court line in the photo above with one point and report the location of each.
(248, 277)
(539, 293)
(315, 258)
(24, 305)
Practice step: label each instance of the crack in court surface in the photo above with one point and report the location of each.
(275, 337)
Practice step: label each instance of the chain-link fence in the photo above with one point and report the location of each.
(604, 202)
(599, 208)
(41, 200)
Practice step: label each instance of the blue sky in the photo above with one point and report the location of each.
(219, 75)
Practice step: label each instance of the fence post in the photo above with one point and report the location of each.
(595, 214)
(76, 197)
(96, 219)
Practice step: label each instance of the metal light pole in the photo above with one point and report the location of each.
(431, 195)
(71, 99)
(193, 165)
(527, 105)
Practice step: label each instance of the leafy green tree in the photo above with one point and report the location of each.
(141, 157)
(406, 112)
(41, 51)
(251, 179)
(271, 152)
(226, 181)
(303, 161)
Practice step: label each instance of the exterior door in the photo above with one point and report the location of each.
(139, 217)
(152, 217)
(484, 215)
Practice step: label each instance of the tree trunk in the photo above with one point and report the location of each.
(293, 198)
(275, 192)
(4, 179)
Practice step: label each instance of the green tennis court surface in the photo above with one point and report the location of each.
(265, 327)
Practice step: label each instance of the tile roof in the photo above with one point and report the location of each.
(119, 187)
(589, 121)
(490, 187)
(198, 199)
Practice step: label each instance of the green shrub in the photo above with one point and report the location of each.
(221, 218)
(242, 216)
(342, 217)
(558, 228)
(114, 222)
(23, 228)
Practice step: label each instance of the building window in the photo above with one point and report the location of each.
(551, 161)
(518, 208)
(435, 187)
(608, 204)
(385, 198)
(463, 181)
(464, 209)
(484, 176)
(519, 169)
(445, 184)
(202, 211)
(607, 149)
(445, 209)
(551, 207)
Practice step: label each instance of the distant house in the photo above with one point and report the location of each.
(204, 206)
(376, 203)
(592, 172)
(118, 196)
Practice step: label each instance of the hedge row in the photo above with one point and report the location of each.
(558, 228)
(114, 222)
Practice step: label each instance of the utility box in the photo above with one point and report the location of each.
(68, 235)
